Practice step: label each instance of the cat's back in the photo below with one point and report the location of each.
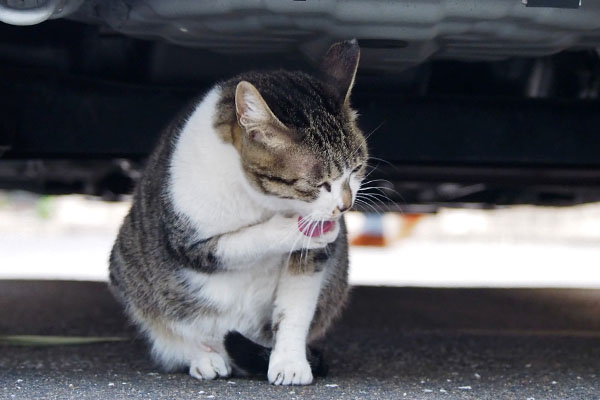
(139, 263)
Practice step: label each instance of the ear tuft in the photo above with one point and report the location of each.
(339, 67)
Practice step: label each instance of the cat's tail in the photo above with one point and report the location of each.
(253, 358)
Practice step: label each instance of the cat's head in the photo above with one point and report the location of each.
(300, 146)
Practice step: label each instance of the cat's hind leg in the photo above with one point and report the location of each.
(209, 365)
(177, 348)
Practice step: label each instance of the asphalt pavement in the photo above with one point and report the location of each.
(392, 343)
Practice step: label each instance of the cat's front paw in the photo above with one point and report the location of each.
(288, 233)
(289, 371)
(284, 232)
(319, 242)
(208, 366)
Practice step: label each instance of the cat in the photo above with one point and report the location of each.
(236, 228)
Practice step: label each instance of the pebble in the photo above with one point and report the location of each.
(465, 387)
(111, 384)
(332, 385)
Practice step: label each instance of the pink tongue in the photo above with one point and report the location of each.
(314, 229)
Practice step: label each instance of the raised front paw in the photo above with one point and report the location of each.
(319, 242)
(208, 366)
(289, 371)
(284, 232)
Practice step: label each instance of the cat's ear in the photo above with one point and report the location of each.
(255, 116)
(251, 109)
(257, 119)
(339, 67)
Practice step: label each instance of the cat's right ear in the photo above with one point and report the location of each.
(255, 116)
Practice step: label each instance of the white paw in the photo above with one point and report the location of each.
(289, 371)
(318, 242)
(209, 366)
(285, 232)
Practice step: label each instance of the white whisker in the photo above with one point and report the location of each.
(364, 203)
(374, 199)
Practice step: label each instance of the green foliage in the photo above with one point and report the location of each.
(39, 340)
(45, 207)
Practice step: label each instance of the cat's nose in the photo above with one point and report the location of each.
(344, 208)
(346, 197)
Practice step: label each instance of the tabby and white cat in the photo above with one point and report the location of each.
(236, 224)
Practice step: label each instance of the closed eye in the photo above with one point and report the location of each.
(358, 168)
(326, 186)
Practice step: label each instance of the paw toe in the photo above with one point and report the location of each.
(293, 372)
(209, 366)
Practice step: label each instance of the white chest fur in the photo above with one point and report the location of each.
(207, 186)
(207, 182)
(245, 299)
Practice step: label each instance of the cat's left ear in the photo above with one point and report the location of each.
(339, 67)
